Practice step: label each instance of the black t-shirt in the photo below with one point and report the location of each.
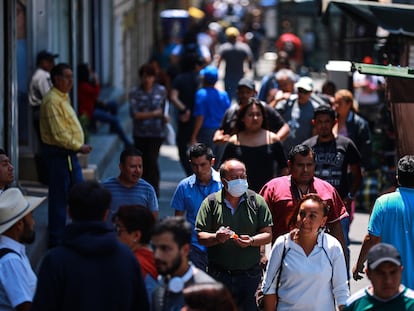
(332, 160)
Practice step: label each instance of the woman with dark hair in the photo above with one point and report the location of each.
(133, 224)
(257, 147)
(208, 297)
(92, 108)
(146, 107)
(306, 268)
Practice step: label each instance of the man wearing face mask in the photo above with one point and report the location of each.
(233, 224)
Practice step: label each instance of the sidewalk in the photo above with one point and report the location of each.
(105, 148)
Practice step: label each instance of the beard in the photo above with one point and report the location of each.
(28, 235)
(176, 263)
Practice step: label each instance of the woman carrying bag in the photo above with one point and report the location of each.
(306, 268)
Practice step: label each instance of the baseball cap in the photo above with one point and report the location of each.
(247, 83)
(232, 32)
(210, 74)
(383, 252)
(14, 206)
(45, 55)
(305, 83)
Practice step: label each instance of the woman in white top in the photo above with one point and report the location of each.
(306, 268)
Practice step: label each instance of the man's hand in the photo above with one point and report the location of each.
(244, 241)
(356, 272)
(223, 234)
(85, 148)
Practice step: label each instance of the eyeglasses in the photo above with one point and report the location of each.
(119, 229)
(302, 91)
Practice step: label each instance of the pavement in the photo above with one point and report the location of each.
(103, 163)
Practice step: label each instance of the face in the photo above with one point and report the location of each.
(128, 238)
(385, 279)
(6, 171)
(147, 81)
(64, 82)
(285, 85)
(341, 107)
(302, 169)
(303, 96)
(323, 125)
(28, 234)
(235, 170)
(310, 217)
(243, 94)
(168, 256)
(202, 167)
(131, 170)
(253, 119)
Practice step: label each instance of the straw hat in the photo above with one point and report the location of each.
(14, 206)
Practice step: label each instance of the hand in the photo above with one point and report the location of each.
(263, 261)
(85, 148)
(220, 137)
(244, 241)
(157, 113)
(223, 234)
(185, 117)
(356, 272)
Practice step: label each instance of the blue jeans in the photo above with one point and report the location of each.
(242, 285)
(346, 223)
(61, 178)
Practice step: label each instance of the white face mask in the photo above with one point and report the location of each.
(237, 187)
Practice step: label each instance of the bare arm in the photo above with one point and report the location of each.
(270, 302)
(197, 126)
(157, 113)
(283, 132)
(25, 306)
(369, 241)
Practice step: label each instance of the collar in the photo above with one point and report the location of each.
(215, 176)
(7, 242)
(60, 93)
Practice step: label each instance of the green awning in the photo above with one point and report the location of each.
(386, 71)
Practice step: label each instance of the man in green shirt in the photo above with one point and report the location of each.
(233, 224)
(386, 291)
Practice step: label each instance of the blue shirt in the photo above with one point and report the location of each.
(17, 279)
(392, 219)
(141, 194)
(211, 104)
(188, 197)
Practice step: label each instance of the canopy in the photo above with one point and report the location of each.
(395, 18)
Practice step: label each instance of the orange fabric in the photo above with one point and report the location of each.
(146, 259)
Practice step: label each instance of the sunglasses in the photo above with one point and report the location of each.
(302, 91)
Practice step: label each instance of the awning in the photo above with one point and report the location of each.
(395, 18)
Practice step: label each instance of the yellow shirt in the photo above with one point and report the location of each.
(59, 125)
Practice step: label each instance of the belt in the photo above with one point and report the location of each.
(234, 271)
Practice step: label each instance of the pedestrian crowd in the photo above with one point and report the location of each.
(261, 222)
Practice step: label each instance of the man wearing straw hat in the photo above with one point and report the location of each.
(17, 279)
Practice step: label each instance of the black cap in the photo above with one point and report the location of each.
(45, 55)
(383, 252)
(247, 83)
